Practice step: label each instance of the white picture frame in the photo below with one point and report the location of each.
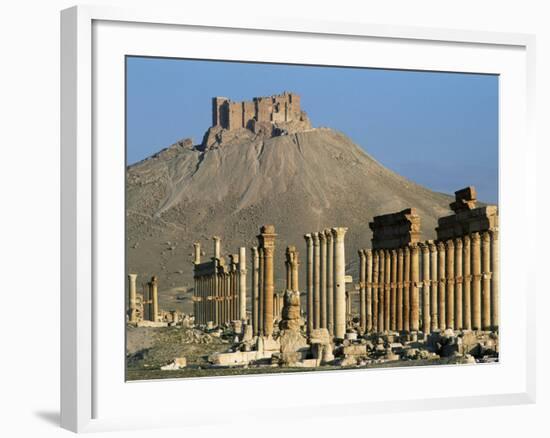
(92, 395)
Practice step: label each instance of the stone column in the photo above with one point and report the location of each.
(406, 289)
(362, 291)
(375, 288)
(288, 270)
(486, 283)
(217, 247)
(295, 263)
(476, 282)
(426, 283)
(387, 289)
(330, 281)
(495, 272)
(132, 296)
(197, 253)
(338, 235)
(459, 277)
(309, 282)
(467, 290)
(450, 272)
(255, 292)
(153, 287)
(415, 280)
(267, 241)
(434, 323)
(441, 286)
(228, 296)
(400, 289)
(242, 283)
(323, 279)
(368, 254)
(393, 289)
(261, 291)
(381, 290)
(316, 281)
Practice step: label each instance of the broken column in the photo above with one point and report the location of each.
(495, 260)
(415, 280)
(132, 298)
(486, 281)
(476, 282)
(255, 292)
(267, 242)
(338, 235)
(242, 283)
(217, 247)
(309, 282)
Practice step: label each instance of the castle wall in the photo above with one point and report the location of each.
(234, 115)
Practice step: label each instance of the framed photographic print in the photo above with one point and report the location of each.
(335, 217)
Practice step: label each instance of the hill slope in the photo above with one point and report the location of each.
(300, 182)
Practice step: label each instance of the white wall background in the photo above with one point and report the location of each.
(29, 211)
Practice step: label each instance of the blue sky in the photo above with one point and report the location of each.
(437, 129)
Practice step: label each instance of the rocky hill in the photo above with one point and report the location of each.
(238, 180)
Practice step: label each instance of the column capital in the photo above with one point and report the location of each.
(132, 276)
(315, 237)
(466, 240)
(339, 232)
(414, 248)
(458, 242)
(486, 237)
(309, 239)
(322, 237)
(361, 253)
(441, 246)
(328, 234)
(494, 233)
(254, 251)
(267, 236)
(475, 237)
(449, 244)
(425, 247)
(368, 253)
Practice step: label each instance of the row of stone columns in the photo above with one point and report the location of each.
(458, 279)
(220, 289)
(325, 279)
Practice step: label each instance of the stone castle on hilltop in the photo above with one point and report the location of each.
(231, 115)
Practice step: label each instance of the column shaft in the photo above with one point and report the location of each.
(441, 286)
(467, 283)
(486, 284)
(459, 277)
(338, 235)
(387, 290)
(381, 290)
(267, 237)
(400, 289)
(309, 282)
(330, 281)
(132, 298)
(368, 253)
(375, 288)
(426, 288)
(323, 279)
(415, 280)
(495, 272)
(316, 281)
(450, 272)
(434, 324)
(362, 291)
(406, 289)
(476, 282)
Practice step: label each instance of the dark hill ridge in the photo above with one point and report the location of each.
(300, 182)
